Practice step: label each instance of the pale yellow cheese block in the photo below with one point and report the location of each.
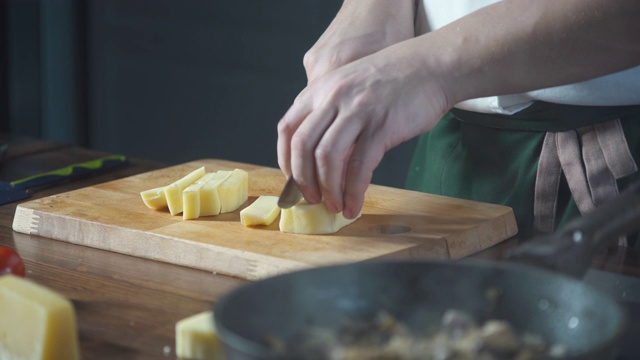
(234, 191)
(261, 212)
(154, 198)
(191, 203)
(35, 322)
(209, 197)
(173, 192)
(196, 338)
(305, 218)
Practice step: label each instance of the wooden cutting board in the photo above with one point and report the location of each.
(395, 223)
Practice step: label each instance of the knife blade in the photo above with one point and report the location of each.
(290, 195)
(21, 189)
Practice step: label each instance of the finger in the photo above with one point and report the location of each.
(287, 126)
(303, 147)
(331, 155)
(366, 156)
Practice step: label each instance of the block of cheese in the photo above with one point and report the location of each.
(154, 198)
(261, 212)
(196, 338)
(173, 191)
(234, 191)
(209, 197)
(305, 218)
(191, 203)
(35, 322)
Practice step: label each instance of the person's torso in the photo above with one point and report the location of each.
(617, 89)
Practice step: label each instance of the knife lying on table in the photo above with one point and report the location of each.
(20, 189)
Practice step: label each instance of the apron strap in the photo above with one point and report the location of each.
(592, 159)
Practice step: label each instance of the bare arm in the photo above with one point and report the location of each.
(340, 126)
(518, 45)
(359, 29)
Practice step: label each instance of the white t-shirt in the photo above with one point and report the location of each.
(621, 88)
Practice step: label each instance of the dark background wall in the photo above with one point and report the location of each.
(168, 80)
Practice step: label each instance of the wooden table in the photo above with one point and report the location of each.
(127, 307)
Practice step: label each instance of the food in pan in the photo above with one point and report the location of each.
(305, 218)
(196, 338)
(35, 322)
(263, 211)
(458, 337)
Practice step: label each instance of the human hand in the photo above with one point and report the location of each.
(339, 127)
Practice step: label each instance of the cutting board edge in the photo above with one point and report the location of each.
(486, 235)
(231, 262)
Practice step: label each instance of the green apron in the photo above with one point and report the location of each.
(495, 158)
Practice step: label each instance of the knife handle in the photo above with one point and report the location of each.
(71, 172)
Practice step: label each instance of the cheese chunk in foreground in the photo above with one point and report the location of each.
(173, 192)
(154, 198)
(234, 191)
(261, 212)
(209, 198)
(196, 338)
(306, 218)
(35, 322)
(191, 203)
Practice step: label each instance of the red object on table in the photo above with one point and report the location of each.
(10, 262)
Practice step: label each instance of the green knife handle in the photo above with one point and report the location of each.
(70, 172)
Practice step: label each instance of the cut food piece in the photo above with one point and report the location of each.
(305, 218)
(37, 323)
(154, 198)
(191, 199)
(234, 191)
(209, 197)
(196, 338)
(173, 192)
(261, 212)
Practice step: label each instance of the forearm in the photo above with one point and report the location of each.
(361, 28)
(518, 45)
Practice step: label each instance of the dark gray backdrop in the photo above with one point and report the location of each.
(167, 80)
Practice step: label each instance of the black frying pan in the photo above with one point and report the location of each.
(559, 307)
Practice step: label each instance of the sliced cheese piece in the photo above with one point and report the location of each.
(35, 322)
(261, 212)
(209, 197)
(173, 192)
(196, 338)
(305, 218)
(234, 191)
(191, 203)
(154, 198)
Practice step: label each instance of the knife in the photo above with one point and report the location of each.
(20, 189)
(290, 195)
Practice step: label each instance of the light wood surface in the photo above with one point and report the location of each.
(395, 223)
(127, 306)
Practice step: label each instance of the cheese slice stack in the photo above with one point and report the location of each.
(35, 322)
(173, 192)
(201, 194)
(192, 199)
(196, 338)
(304, 218)
(234, 191)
